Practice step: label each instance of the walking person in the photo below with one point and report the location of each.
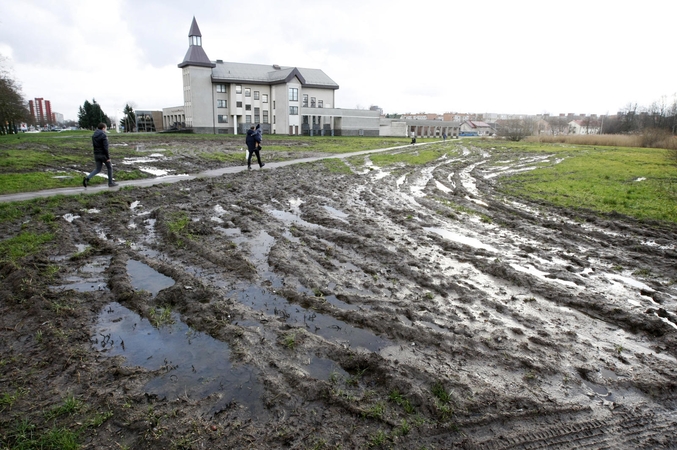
(253, 141)
(101, 156)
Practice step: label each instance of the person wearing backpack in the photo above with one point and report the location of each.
(253, 141)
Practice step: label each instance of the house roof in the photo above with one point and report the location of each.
(267, 74)
(196, 56)
(476, 124)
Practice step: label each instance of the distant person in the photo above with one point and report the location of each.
(413, 138)
(101, 156)
(254, 145)
(444, 136)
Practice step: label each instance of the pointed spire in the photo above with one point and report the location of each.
(194, 29)
(196, 55)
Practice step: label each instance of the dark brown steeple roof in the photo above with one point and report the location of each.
(196, 56)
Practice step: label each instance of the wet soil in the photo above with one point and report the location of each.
(402, 307)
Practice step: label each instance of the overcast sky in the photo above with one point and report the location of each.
(527, 57)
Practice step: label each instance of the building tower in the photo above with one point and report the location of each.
(197, 83)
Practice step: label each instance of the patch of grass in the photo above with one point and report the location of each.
(99, 419)
(8, 399)
(26, 243)
(160, 316)
(26, 436)
(70, 405)
(398, 399)
(178, 221)
(336, 165)
(289, 341)
(440, 392)
(375, 411)
(636, 182)
(379, 438)
(413, 157)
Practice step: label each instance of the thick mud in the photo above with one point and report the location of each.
(407, 307)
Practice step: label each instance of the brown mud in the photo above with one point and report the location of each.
(408, 307)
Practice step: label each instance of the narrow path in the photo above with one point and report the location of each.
(176, 178)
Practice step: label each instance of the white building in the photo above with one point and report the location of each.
(585, 126)
(228, 97)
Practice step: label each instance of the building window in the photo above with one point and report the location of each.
(248, 118)
(222, 103)
(274, 119)
(256, 95)
(247, 107)
(238, 89)
(257, 115)
(223, 118)
(305, 100)
(293, 110)
(247, 92)
(265, 116)
(320, 103)
(293, 95)
(221, 88)
(313, 100)
(273, 104)
(238, 104)
(264, 98)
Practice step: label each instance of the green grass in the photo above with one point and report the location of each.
(24, 244)
(414, 156)
(604, 179)
(26, 436)
(336, 165)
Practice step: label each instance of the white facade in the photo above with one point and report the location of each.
(229, 97)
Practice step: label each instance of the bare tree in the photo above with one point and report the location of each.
(13, 108)
(516, 129)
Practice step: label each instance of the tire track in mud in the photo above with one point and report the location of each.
(500, 316)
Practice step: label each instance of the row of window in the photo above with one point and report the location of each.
(221, 88)
(293, 97)
(223, 118)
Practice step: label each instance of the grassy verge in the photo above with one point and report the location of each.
(638, 182)
(413, 156)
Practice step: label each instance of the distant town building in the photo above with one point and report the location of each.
(148, 121)
(584, 126)
(476, 128)
(41, 110)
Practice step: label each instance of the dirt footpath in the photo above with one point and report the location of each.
(413, 307)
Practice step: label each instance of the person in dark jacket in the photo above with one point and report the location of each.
(253, 141)
(101, 156)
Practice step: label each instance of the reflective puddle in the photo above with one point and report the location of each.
(144, 277)
(326, 326)
(191, 364)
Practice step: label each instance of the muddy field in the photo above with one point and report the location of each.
(404, 307)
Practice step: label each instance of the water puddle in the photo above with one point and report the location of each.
(144, 277)
(88, 278)
(191, 364)
(337, 214)
(324, 369)
(290, 218)
(326, 326)
(472, 242)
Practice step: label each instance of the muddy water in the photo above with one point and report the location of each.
(188, 364)
(143, 277)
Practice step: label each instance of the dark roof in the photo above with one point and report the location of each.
(196, 56)
(194, 29)
(267, 74)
